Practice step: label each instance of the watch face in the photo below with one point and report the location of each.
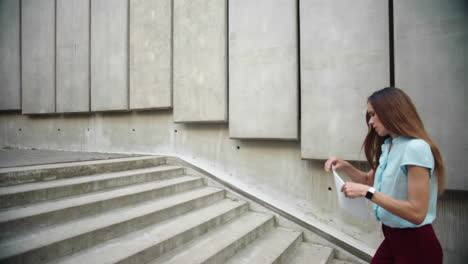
(369, 195)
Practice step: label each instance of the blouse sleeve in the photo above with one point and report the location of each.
(418, 153)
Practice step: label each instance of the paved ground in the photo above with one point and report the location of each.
(25, 157)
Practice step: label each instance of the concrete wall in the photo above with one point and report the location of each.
(72, 55)
(150, 54)
(431, 62)
(263, 69)
(10, 97)
(200, 61)
(109, 55)
(38, 56)
(344, 58)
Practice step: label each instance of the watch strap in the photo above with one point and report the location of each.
(370, 193)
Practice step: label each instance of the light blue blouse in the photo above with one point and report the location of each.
(391, 177)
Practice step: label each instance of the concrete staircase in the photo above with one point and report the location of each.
(136, 210)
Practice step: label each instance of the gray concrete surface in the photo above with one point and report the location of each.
(150, 54)
(72, 56)
(431, 62)
(263, 69)
(109, 55)
(200, 61)
(27, 157)
(344, 58)
(10, 97)
(38, 56)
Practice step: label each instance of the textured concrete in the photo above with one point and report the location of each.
(200, 66)
(274, 247)
(72, 59)
(29, 157)
(60, 240)
(150, 243)
(109, 55)
(263, 69)
(38, 56)
(344, 58)
(431, 62)
(10, 97)
(16, 175)
(309, 253)
(48, 190)
(270, 167)
(222, 243)
(150, 54)
(39, 215)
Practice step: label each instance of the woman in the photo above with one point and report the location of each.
(406, 176)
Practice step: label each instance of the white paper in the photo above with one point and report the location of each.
(355, 206)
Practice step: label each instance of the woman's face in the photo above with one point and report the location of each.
(374, 122)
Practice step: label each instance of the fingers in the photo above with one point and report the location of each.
(330, 163)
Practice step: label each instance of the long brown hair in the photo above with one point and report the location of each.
(398, 114)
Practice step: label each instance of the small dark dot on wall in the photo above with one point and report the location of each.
(58, 129)
(238, 147)
(133, 129)
(20, 129)
(88, 129)
(329, 188)
(175, 130)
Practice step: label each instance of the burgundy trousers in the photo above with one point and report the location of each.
(409, 246)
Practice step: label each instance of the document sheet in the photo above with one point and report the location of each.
(355, 206)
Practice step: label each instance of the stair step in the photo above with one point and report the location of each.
(338, 261)
(26, 219)
(17, 175)
(61, 240)
(274, 247)
(221, 243)
(312, 253)
(149, 243)
(40, 191)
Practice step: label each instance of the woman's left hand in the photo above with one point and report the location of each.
(353, 190)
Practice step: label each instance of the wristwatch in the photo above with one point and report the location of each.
(370, 193)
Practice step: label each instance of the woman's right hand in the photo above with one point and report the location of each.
(335, 163)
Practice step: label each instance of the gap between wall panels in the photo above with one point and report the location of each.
(391, 41)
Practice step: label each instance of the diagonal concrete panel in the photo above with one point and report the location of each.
(263, 69)
(431, 61)
(73, 55)
(10, 93)
(38, 56)
(150, 54)
(344, 58)
(200, 67)
(109, 55)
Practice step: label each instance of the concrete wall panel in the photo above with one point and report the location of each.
(431, 62)
(263, 69)
(38, 56)
(150, 54)
(344, 58)
(109, 55)
(73, 55)
(10, 92)
(200, 67)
